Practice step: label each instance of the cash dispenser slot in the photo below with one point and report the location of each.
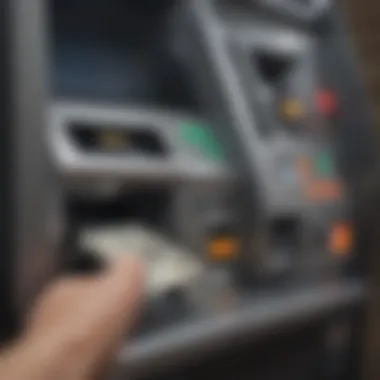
(148, 207)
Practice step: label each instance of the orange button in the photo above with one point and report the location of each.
(341, 240)
(323, 191)
(223, 248)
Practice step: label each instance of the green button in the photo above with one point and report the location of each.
(202, 137)
(215, 153)
(324, 164)
(192, 133)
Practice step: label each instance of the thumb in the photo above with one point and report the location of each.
(120, 290)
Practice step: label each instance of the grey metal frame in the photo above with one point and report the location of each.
(307, 12)
(254, 318)
(38, 223)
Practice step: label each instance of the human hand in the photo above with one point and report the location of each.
(76, 327)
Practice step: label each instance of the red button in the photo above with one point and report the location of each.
(327, 102)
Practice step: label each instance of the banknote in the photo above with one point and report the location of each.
(168, 264)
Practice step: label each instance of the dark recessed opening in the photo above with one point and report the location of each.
(175, 297)
(151, 208)
(118, 140)
(285, 233)
(272, 68)
(85, 263)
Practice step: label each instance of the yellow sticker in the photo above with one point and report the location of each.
(292, 110)
(112, 140)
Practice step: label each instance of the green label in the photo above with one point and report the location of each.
(325, 164)
(203, 138)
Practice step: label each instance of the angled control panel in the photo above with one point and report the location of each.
(261, 81)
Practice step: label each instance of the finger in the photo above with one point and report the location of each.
(76, 308)
(82, 320)
(121, 290)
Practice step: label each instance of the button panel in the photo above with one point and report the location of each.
(319, 180)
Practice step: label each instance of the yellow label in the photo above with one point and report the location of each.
(112, 140)
(292, 110)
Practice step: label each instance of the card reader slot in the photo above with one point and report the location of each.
(118, 140)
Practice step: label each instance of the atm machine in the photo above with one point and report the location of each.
(224, 143)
